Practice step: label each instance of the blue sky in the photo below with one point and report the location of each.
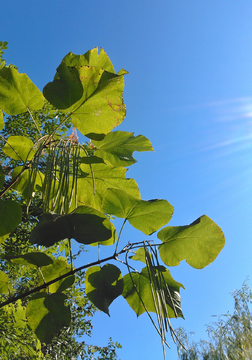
(189, 90)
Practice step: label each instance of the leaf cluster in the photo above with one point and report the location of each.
(62, 189)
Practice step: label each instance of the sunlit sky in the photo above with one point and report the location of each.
(189, 90)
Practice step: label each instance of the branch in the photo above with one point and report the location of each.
(71, 272)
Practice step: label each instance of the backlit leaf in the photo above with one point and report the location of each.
(52, 271)
(17, 92)
(198, 243)
(147, 216)
(19, 148)
(137, 291)
(105, 176)
(1, 120)
(47, 315)
(103, 285)
(91, 58)
(91, 94)
(117, 147)
(4, 283)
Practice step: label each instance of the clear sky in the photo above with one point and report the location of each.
(189, 90)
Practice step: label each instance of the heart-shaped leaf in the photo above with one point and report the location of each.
(47, 315)
(86, 225)
(147, 216)
(18, 93)
(198, 243)
(103, 285)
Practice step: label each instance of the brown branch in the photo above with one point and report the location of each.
(71, 272)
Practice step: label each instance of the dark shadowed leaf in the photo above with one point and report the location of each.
(47, 315)
(32, 259)
(10, 216)
(103, 285)
(85, 224)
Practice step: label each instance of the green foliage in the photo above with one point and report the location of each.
(56, 188)
(229, 338)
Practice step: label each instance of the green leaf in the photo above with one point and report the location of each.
(117, 147)
(18, 93)
(23, 184)
(4, 283)
(32, 259)
(1, 120)
(137, 291)
(10, 215)
(105, 176)
(19, 148)
(86, 225)
(53, 271)
(91, 58)
(103, 285)
(47, 315)
(91, 95)
(147, 216)
(198, 243)
(140, 255)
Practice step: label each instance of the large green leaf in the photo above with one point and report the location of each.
(47, 315)
(10, 216)
(198, 243)
(147, 216)
(138, 293)
(91, 192)
(19, 148)
(91, 58)
(92, 95)
(18, 93)
(52, 271)
(103, 285)
(85, 224)
(117, 147)
(4, 283)
(32, 259)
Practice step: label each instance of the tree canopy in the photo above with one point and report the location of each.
(63, 178)
(229, 338)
